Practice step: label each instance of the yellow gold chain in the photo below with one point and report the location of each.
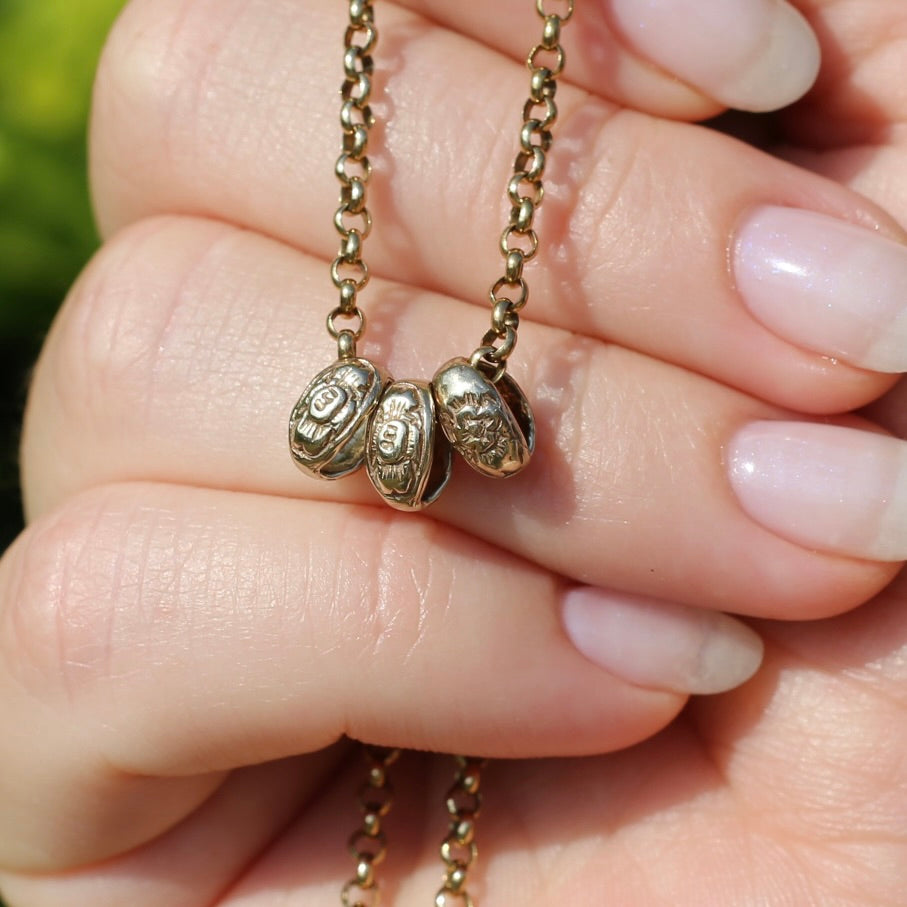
(525, 189)
(458, 849)
(346, 323)
(368, 844)
(519, 241)
(353, 220)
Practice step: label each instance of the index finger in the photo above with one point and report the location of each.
(681, 59)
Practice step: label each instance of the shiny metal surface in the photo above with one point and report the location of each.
(489, 425)
(408, 459)
(328, 424)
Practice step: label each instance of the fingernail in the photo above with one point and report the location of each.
(825, 285)
(750, 54)
(825, 487)
(659, 644)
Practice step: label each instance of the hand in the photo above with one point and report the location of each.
(186, 614)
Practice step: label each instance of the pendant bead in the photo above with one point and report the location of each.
(408, 459)
(329, 424)
(489, 424)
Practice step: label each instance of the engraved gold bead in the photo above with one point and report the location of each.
(408, 459)
(489, 424)
(328, 424)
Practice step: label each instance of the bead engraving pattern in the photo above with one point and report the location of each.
(331, 413)
(473, 423)
(472, 403)
(401, 444)
(481, 421)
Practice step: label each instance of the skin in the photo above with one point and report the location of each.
(190, 627)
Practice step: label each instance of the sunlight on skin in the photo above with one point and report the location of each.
(791, 789)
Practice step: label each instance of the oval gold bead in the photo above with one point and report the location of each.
(490, 425)
(329, 423)
(408, 460)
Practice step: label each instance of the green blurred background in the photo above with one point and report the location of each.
(48, 53)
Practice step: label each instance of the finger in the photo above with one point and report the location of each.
(638, 221)
(212, 858)
(197, 860)
(826, 764)
(850, 127)
(806, 760)
(155, 637)
(195, 386)
(856, 98)
(673, 59)
(751, 54)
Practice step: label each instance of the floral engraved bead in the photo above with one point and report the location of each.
(408, 459)
(490, 425)
(329, 422)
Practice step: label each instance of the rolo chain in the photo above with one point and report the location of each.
(404, 432)
(459, 849)
(353, 219)
(368, 844)
(519, 241)
(353, 413)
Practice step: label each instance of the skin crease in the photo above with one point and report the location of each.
(168, 655)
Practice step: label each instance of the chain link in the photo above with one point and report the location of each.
(525, 189)
(458, 849)
(368, 844)
(353, 169)
(508, 295)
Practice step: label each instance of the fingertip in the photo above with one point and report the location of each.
(659, 644)
(753, 55)
(825, 284)
(827, 487)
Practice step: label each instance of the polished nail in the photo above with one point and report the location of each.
(823, 486)
(750, 54)
(825, 285)
(659, 644)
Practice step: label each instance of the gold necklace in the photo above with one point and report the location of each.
(353, 414)
(368, 844)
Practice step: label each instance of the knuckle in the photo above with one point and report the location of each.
(612, 193)
(567, 374)
(128, 96)
(174, 112)
(387, 590)
(130, 337)
(56, 620)
(118, 581)
(138, 114)
(94, 381)
(605, 430)
(105, 347)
